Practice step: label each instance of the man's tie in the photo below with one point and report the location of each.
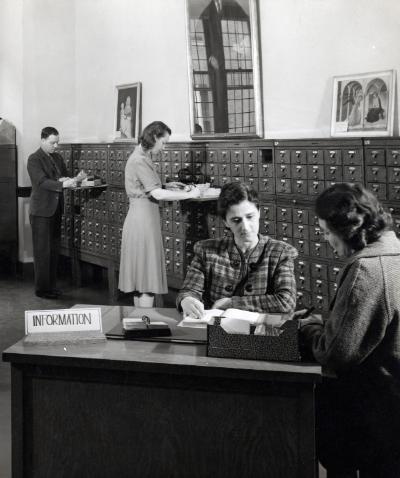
(55, 167)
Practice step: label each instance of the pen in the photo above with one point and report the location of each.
(306, 313)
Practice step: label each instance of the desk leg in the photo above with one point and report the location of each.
(17, 422)
(14, 259)
(76, 269)
(112, 282)
(307, 449)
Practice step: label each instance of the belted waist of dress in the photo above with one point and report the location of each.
(142, 198)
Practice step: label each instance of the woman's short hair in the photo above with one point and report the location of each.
(153, 131)
(353, 213)
(235, 193)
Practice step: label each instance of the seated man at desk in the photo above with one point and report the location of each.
(246, 270)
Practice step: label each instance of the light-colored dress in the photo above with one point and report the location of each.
(142, 265)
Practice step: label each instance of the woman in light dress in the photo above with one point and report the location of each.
(142, 265)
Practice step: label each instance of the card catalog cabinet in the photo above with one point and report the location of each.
(8, 203)
(304, 168)
(382, 171)
(92, 222)
(288, 175)
(183, 223)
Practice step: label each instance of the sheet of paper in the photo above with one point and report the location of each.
(235, 326)
(275, 320)
(251, 317)
(208, 315)
(268, 330)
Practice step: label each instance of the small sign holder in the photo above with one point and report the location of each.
(63, 326)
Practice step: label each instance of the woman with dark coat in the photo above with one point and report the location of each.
(358, 421)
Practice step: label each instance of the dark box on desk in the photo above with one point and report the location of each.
(141, 330)
(284, 347)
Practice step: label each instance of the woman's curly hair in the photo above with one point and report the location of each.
(353, 213)
(153, 131)
(235, 193)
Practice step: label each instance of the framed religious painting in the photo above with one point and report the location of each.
(224, 68)
(363, 104)
(127, 112)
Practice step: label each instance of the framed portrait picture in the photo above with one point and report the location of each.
(224, 66)
(363, 104)
(127, 112)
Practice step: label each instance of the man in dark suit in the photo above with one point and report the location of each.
(49, 176)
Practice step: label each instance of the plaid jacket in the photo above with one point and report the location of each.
(218, 268)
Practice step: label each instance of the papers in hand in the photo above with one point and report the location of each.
(245, 316)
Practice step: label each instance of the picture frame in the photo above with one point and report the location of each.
(363, 104)
(127, 112)
(224, 69)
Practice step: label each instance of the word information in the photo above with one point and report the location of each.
(63, 320)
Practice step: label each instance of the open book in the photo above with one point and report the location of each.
(250, 317)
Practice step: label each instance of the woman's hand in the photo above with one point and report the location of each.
(311, 319)
(194, 192)
(68, 182)
(175, 186)
(81, 175)
(193, 307)
(223, 303)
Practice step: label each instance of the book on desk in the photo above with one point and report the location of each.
(175, 334)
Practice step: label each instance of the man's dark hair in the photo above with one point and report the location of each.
(353, 213)
(153, 131)
(235, 193)
(48, 131)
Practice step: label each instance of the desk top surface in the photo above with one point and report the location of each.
(156, 357)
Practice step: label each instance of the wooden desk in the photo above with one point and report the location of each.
(147, 409)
